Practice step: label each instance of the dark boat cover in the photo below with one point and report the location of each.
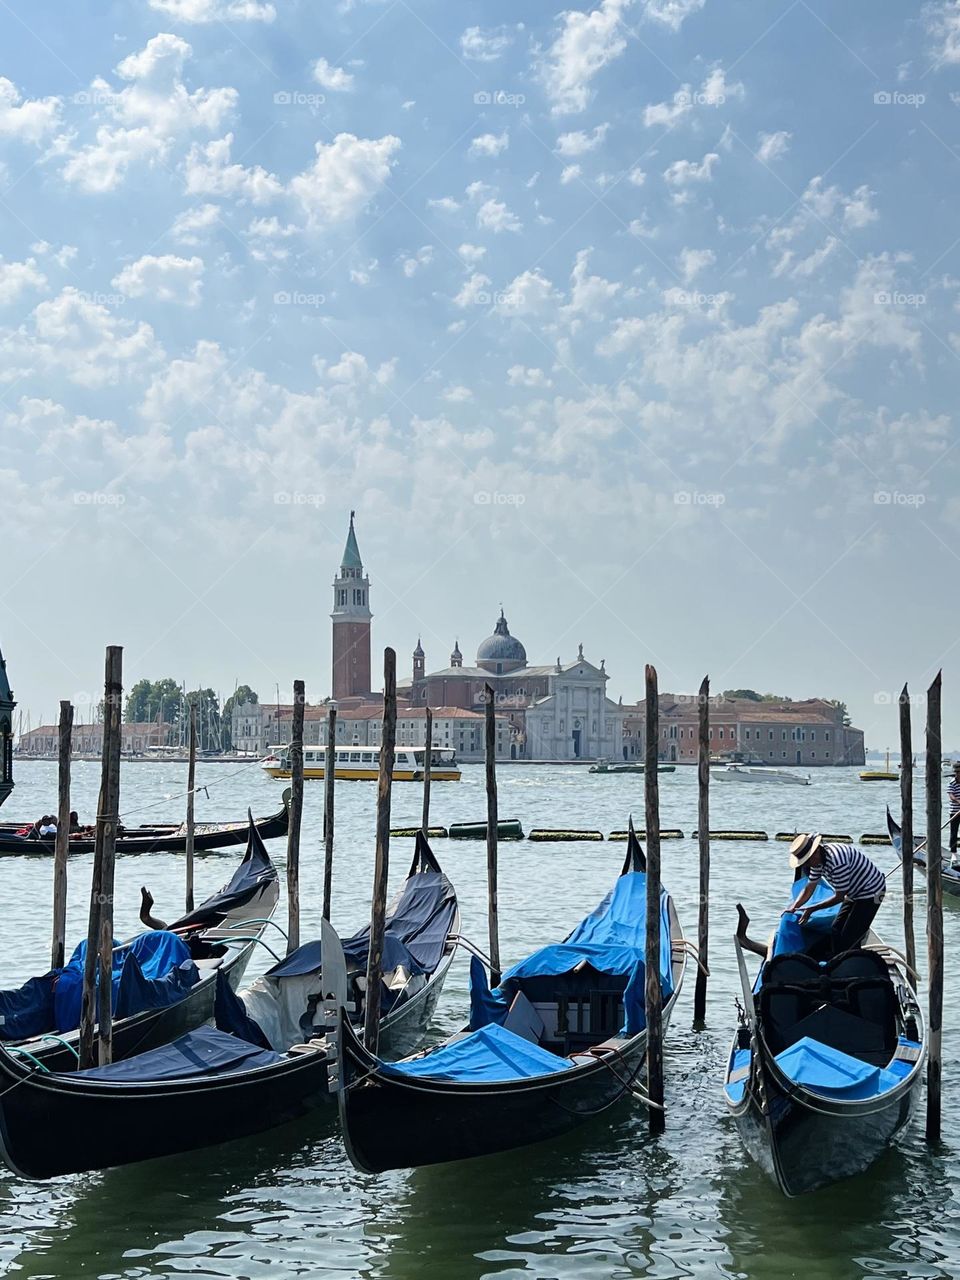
(28, 1011)
(158, 955)
(421, 921)
(255, 870)
(203, 1052)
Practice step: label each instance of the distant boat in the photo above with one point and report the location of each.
(604, 766)
(737, 773)
(886, 774)
(363, 763)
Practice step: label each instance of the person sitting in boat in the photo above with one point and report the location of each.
(954, 793)
(75, 827)
(48, 825)
(856, 881)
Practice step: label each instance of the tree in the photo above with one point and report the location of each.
(208, 719)
(750, 694)
(842, 709)
(153, 700)
(243, 694)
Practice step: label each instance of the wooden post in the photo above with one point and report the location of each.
(296, 816)
(906, 826)
(653, 992)
(703, 844)
(191, 785)
(57, 952)
(99, 955)
(329, 778)
(378, 914)
(934, 912)
(427, 769)
(493, 823)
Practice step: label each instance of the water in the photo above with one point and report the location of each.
(605, 1202)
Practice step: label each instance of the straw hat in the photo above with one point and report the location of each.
(803, 849)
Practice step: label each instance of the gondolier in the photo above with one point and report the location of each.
(954, 793)
(857, 883)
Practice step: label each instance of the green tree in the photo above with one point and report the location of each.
(751, 694)
(242, 695)
(153, 699)
(844, 713)
(209, 736)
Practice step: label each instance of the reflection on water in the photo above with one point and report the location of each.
(605, 1202)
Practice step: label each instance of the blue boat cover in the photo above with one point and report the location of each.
(204, 1052)
(492, 1053)
(735, 1088)
(157, 953)
(834, 1074)
(790, 937)
(136, 992)
(611, 939)
(28, 1011)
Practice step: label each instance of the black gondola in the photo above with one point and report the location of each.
(156, 837)
(949, 874)
(265, 1063)
(828, 1059)
(168, 994)
(562, 1039)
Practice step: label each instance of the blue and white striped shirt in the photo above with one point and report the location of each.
(954, 793)
(850, 872)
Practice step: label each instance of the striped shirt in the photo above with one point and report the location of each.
(954, 793)
(850, 872)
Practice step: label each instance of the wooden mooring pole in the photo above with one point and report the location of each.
(296, 817)
(57, 951)
(381, 869)
(329, 779)
(934, 912)
(653, 992)
(427, 769)
(906, 826)
(191, 787)
(99, 954)
(703, 844)
(493, 830)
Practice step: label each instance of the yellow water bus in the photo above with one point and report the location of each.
(359, 763)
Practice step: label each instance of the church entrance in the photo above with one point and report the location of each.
(576, 744)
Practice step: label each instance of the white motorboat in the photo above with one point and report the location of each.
(738, 773)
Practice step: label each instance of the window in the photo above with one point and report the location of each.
(594, 726)
(826, 737)
(771, 735)
(721, 733)
(783, 735)
(366, 756)
(746, 733)
(813, 755)
(784, 754)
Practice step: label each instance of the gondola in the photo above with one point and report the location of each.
(165, 979)
(827, 1061)
(949, 874)
(156, 838)
(562, 1039)
(264, 1063)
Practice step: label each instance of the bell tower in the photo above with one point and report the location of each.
(351, 624)
(419, 661)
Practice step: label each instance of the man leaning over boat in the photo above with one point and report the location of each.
(858, 885)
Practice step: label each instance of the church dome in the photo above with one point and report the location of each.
(501, 648)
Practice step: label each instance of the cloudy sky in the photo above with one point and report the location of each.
(640, 319)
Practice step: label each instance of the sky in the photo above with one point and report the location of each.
(641, 320)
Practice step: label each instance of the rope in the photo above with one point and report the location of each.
(203, 787)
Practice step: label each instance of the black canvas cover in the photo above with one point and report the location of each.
(204, 1052)
(254, 871)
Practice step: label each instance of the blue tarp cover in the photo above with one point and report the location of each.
(28, 1011)
(492, 1053)
(790, 936)
(199, 1053)
(834, 1074)
(735, 1088)
(157, 953)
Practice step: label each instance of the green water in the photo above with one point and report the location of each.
(605, 1202)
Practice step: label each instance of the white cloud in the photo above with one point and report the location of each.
(166, 278)
(485, 46)
(493, 215)
(471, 253)
(586, 44)
(589, 295)
(489, 144)
(529, 293)
(771, 146)
(444, 204)
(203, 11)
(474, 291)
(363, 275)
(578, 143)
(682, 173)
(855, 209)
(333, 78)
(190, 227)
(570, 174)
(346, 175)
(27, 119)
(943, 23)
(693, 261)
(714, 92)
(667, 114)
(209, 172)
(458, 394)
(520, 376)
(806, 267)
(671, 13)
(412, 263)
(16, 277)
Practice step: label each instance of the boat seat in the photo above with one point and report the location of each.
(523, 1020)
(209, 964)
